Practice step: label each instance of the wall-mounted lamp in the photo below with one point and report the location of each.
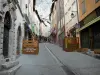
(72, 14)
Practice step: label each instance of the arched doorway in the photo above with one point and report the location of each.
(18, 40)
(7, 25)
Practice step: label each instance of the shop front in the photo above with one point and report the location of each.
(90, 31)
(90, 37)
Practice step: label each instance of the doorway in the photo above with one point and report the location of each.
(85, 38)
(7, 25)
(96, 35)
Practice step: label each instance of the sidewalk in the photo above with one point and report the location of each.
(79, 64)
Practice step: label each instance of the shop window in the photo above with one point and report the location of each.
(97, 1)
(98, 11)
(96, 35)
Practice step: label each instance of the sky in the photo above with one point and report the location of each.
(43, 8)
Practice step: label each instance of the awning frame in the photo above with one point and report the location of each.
(88, 24)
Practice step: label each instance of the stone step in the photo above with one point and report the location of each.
(11, 71)
(10, 64)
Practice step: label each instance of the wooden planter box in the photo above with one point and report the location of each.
(30, 47)
(71, 44)
(97, 51)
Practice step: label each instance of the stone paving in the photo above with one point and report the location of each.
(79, 64)
(42, 64)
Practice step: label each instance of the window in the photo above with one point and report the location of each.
(9, 1)
(97, 1)
(83, 7)
(98, 12)
(26, 6)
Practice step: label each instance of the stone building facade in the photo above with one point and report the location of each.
(7, 29)
(89, 19)
(12, 28)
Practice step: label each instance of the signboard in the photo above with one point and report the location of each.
(30, 46)
(71, 44)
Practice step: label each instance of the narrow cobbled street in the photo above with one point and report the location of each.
(49, 37)
(42, 64)
(52, 60)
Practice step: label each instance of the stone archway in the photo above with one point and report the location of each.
(18, 40)
(7, 25)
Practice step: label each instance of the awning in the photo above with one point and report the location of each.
(88, 24)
